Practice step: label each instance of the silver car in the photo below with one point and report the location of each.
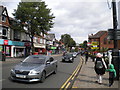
(34, 68)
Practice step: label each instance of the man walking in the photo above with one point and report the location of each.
(86, 57)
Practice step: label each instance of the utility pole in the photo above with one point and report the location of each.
(115, 52)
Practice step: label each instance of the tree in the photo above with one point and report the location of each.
(84, 45)
(68, 41)
(34, 18)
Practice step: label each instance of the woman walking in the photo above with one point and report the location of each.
(99, 67)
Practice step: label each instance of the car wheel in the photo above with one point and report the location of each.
(63, 60)
(55, 71)
(42, 79)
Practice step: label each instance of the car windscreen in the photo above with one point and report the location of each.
(68, 55)
(35, 60)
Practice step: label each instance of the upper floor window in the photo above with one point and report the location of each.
(41, 40)
(4, 18)
(105, 41)
(4, 32)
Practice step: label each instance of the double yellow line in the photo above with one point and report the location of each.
(67, 83)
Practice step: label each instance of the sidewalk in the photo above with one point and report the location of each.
(87, 77)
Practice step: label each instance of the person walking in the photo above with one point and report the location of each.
(86, 57)
(112, 74)
(99, 67)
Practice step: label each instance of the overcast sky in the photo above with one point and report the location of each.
(75, 17)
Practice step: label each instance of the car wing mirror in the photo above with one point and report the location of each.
(47, 63)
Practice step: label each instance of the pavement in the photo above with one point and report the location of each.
(87, 77)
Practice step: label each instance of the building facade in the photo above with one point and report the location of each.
(99, 40)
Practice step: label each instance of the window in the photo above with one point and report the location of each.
(4, 18)
(4, 32)
(105, 41)
(41, 41)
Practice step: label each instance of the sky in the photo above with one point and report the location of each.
(78, 18)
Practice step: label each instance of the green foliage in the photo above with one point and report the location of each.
(84, 45)
(35, 17)
(67, 40)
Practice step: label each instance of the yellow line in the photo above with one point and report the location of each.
(70, 76)
(76, 72)
(67, 80)
(67, 85)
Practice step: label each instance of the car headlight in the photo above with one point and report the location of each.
(12, 70)
(33, 72)
(70, 58)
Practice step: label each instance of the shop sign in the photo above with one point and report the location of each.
(1, 41)
(5, 42)
(95, 47)
(53, 48)
(89, 44)
(16, 43)
(95, 43)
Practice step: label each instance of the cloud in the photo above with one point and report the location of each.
(77, 17)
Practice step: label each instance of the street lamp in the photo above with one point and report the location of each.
(114, 34)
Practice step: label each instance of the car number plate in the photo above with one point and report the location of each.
(21, 76)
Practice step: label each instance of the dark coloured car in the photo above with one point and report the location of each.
(34, 68)
(68, 57)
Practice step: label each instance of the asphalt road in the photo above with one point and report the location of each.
(65, 70)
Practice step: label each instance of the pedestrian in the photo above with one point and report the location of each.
(100, 67)
(112, 74)
(86, 57)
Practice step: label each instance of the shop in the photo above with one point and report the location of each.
(17, 48)
(53, 49)
(1, 43)
(40, 48)
(27, 48)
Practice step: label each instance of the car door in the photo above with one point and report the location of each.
(49, 66)
(52, 63)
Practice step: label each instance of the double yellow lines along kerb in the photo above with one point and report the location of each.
(71, 78)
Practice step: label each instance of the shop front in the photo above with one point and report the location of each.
(40, 48)
(27, 48)
(1, 44)
(17, 48)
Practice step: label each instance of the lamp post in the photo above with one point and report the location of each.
(115, 52)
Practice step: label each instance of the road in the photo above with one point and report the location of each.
(65, 70)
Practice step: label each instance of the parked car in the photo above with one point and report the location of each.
(68, 57)
(34, 68)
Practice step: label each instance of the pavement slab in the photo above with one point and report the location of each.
(87, 77)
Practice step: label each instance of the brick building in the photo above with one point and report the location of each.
(99, 40)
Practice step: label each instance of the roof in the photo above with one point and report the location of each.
(51, 36)
(98, 34)
(2, 9)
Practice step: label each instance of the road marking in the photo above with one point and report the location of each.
(72, 76)
(67, 85)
